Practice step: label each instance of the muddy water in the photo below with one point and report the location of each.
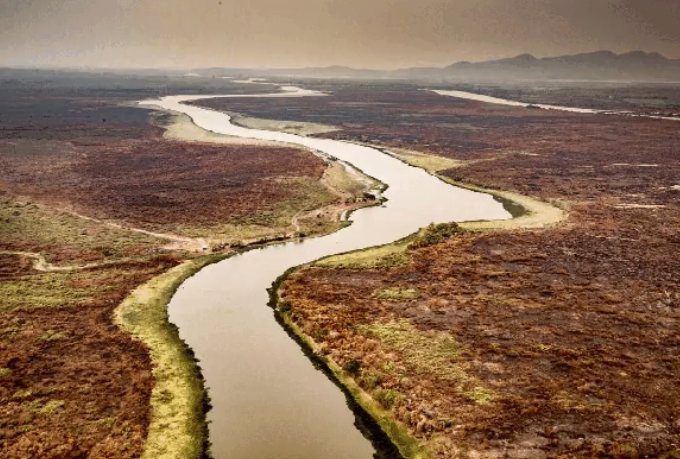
(269, 402)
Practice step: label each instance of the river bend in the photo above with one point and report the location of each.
(269, 402)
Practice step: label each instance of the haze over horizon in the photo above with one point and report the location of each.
(381, 34)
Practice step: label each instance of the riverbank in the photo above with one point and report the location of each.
(179, 401)
(527, 212)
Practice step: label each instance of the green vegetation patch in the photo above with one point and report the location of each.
(396, 293)
(22, 394)
(178, 428)
(38, 226)
(51, 335)
(46, 290)
(77, 288)
(480, 395)
(430, 163)
(386, 256)
(5, 372)
(430, 352)
(339, 178)
(434, 234)
(49, 408)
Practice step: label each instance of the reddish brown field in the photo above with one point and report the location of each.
(563, 342)
(153, 183)
(74, 384)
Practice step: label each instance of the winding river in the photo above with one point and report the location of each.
(269, 401)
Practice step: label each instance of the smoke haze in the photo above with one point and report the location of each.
(296, 33)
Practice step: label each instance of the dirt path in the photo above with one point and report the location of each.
(42, 265)
(177, 242)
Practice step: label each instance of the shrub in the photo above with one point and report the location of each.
(320, 335)
(352, 367)
(387, 398)
(435, 234)
(370, 381)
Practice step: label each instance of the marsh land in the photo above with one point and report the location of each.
(555, 334)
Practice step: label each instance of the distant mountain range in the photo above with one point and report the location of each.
(596, 66)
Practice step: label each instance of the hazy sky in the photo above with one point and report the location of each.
(367, 33)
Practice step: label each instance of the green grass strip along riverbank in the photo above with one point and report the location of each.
(179, 401)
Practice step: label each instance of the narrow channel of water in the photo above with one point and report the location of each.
(269, 402)
(561, 108)
(512, 103)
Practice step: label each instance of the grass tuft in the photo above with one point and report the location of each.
(386, 256)
(51, 335)
(50, 408)
(480, 396)
(434, 234)
(396, 293)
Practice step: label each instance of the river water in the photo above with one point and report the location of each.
(269, 401)
(561, 108)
